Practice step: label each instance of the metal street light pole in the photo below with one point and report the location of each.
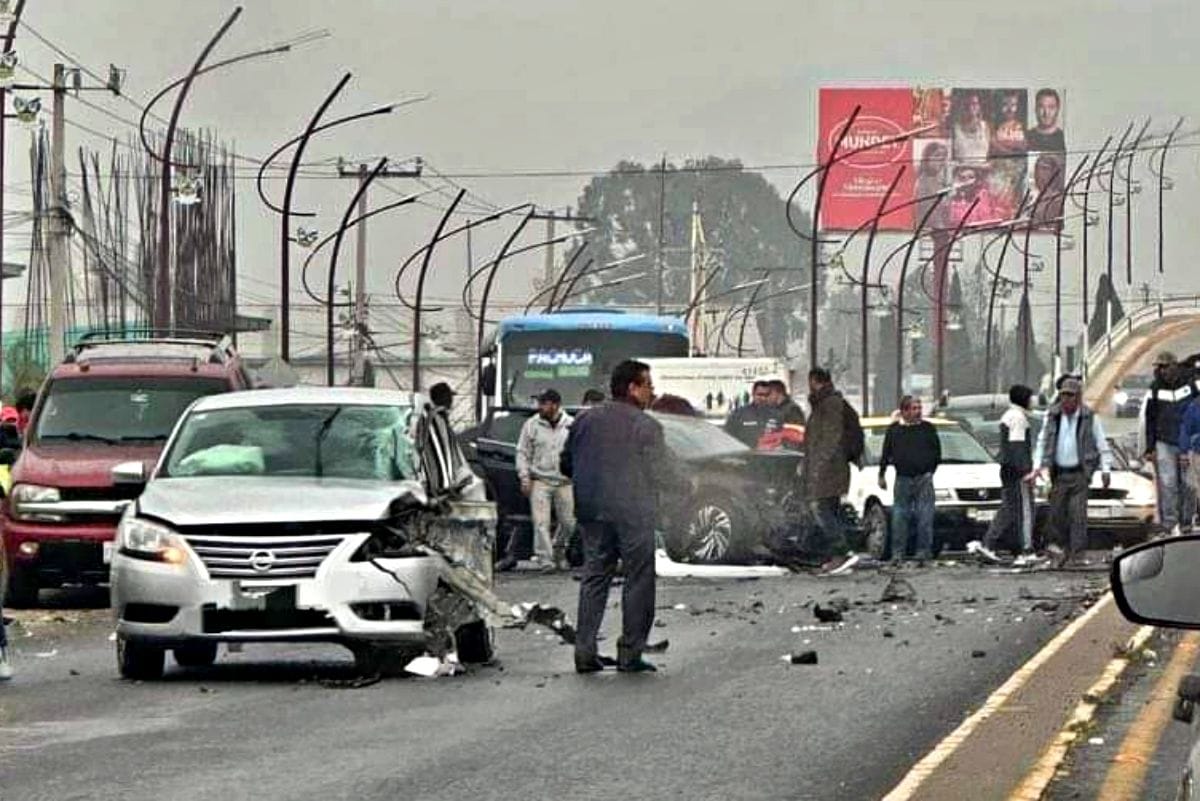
(865, 351)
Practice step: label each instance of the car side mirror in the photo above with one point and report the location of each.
(127, 473)
(1156, 584)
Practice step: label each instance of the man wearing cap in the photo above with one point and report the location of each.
(539, 451)
(442, 395)
(1071, 448)
(1163, 410)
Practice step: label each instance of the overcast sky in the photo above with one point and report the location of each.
(539, 85)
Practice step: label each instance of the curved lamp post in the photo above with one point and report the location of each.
(333, 260)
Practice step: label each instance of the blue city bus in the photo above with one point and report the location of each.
(570, 351)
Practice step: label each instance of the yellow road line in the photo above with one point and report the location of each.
(1036, 781)
(1128, 772)
(920, 772)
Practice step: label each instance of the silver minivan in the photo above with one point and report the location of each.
(307, 514)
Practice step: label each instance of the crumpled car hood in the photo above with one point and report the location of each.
(214, 500)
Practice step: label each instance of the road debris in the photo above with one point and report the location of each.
(826, 614)
(898, 590)
(431, 666)
(802, 658)
(978, 654)
(665, 567)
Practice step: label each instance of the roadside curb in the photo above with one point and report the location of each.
(910, 785)
(1038, 779)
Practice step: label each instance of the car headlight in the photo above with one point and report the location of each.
(142, 539)
(1121, 397)
(26, 497)
(943, 495)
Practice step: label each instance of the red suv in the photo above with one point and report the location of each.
(111, 402)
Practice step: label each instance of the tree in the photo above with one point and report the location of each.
(745, 228)
(25, 364)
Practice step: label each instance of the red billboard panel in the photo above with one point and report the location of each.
(855, 186)
(990, 154)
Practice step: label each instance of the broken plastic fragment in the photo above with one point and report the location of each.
(802, 658)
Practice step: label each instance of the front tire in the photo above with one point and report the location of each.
(473, 642)
(713, 531)
(140, 661)
(23, 588)
(196, 654)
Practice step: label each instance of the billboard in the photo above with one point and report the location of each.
(988, 145)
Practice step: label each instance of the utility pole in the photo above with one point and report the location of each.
(10, 59)
(551, 218)
(660, 265)
(59, 225)
(358, 349)
(59, 260)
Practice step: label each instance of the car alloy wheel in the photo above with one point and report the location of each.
(710, 533)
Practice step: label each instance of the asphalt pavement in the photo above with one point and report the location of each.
(726, 717)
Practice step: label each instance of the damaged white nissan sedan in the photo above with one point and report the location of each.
(304, 515)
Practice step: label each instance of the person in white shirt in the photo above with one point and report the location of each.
(538, 453)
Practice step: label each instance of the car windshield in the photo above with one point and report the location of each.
(308, 440)
(118, 410)
(958, 446)
(693, 438)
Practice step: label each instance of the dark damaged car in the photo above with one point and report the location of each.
(742, 506)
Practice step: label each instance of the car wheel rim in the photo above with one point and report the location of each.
(711, 531)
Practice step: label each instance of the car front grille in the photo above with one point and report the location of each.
(1107, 494)
(979, 494)
(263, 557)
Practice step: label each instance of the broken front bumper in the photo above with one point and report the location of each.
(343, 600)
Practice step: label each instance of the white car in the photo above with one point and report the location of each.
(966, 487)
(1129, 503)
(301, 515)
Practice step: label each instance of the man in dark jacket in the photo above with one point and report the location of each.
(1016, 462)
(616, 456)
(1170, 393)
(912, 446)
(829, 441)
(1071, 448)
(748, 423)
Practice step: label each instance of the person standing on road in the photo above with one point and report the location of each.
(833, 439)
(1166, 402)
(748, 423)
(1071, 447)
(618, 460)
(1016, 462)
(912, 446)
(539, 452)
(1189, 443)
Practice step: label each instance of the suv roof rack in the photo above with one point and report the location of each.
(93, 343)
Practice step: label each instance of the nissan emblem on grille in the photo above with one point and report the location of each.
(262, 561)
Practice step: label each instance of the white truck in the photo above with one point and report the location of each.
(714, 386)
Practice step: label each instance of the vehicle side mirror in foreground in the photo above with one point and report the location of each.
(1156, 583)
(129, 473)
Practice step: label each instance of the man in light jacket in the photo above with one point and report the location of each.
(1071, 448)
(539, 451)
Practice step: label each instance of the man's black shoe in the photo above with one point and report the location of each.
(638, 665)
(594, 665)
(506, 564)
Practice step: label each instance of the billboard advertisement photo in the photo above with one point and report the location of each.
(1001, 153)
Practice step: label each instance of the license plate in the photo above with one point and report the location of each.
(107, 552)
(984, 515)
(1108, 512)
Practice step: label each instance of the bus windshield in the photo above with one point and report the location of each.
(573, 362)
